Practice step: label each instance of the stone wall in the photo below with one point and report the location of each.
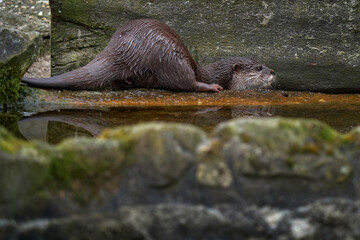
(312, 45)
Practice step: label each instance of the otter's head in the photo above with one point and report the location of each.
(250, 74)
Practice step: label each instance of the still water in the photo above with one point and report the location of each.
(56, 125)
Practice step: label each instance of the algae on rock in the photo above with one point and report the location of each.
(163, 151)
(284, 147)
(18, 51)
(155, 163)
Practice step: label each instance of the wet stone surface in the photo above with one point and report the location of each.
(45, 99)
(56, 125)
(23, 25)
(61, 114)
(26, 15)
(29, 16)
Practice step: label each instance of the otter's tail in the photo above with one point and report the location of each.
(98, 73)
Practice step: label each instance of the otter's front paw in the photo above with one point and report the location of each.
(215, 88)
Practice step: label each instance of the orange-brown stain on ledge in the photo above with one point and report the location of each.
(146, 97)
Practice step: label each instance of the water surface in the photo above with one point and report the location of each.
(55, 125)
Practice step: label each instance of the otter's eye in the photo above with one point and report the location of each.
(259, 68)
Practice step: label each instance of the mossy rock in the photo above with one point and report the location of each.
(85, 160)
(24, 170)
(159, 162)
(163, 151)
(353, 137)
(79, 166)
(20, 51)
(284, 147)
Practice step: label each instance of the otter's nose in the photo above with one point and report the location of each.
(272, 72)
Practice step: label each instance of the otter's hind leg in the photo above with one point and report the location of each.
(182, 78)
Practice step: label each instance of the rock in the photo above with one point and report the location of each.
(81, 170)
(300, 41)
(24, 171)
(163, 151)
(144, 166)
(212, 169)
(77, 167)
(85, 159)
(21, 32)
(18, 50)
(164, 221)
(334, 219)
(25, 16)
(353, 137)
(326, 219)
(284, 147)
(10, 122)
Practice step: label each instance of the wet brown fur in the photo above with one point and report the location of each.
(148, 53)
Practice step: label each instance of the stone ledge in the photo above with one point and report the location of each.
(53, 99)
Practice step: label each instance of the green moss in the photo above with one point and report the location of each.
(353, 137)
(294, 127)
(84, 166)
(10, 122)
(12, 70)
(72, 166)
(88, 157)
(9, 143)
(63, 169)
(24, 170)
(79, 166)
(9, 85)
(290, 162)
(318, 130)
(326, 133)
(288, 147)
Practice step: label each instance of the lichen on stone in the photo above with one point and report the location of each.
(20, 50)
(284, 147)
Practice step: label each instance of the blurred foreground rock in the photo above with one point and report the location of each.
(262, 179)
(336, 219)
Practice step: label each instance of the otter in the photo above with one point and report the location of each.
(147, 53)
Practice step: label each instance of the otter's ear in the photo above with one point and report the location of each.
(237, 67)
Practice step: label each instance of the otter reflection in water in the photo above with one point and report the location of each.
(54, 126)
(147, 53)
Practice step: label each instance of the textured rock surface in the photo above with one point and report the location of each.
(283, 147)
(335, 219)
(311, 45)
(26, 16)
(22, 26)
(164, 152)
(179, 163)
(18, 50)
(171, 181)
(14, 43)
